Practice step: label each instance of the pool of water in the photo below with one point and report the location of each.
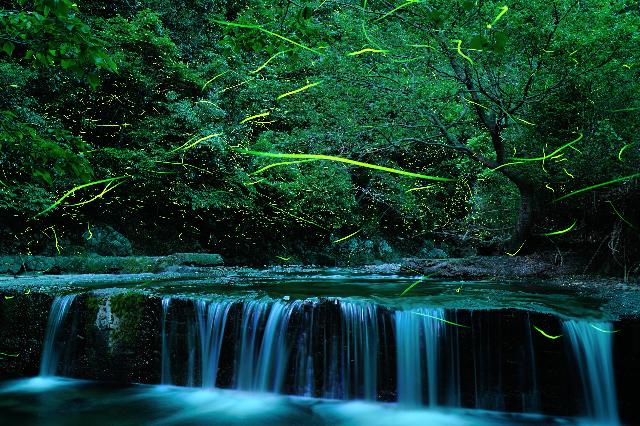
(59, 401)
(363, 285)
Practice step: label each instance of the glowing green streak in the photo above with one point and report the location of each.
(548, 336)
(106, 189)
(396, 9)
(286, 259)
(8, 297)
(263, 114)
(544, 157)
(441, 319)
(599, 185)
(259, 28)
(418, 189)
(214, 79)
(622, 217)
(55, 236)
(280, 164)
(506, 164)
(367, 50)
(255, 182)
(187, 146)
(269, 60)
(561, 231)
(502, 12)
(293, 92)
(90, 233)
(460, 51)
(77, 188)
(517, 251)
(10, 355)
(343, 160)
(347, 237)
(602, 330)
(623, 149)
(415, 284)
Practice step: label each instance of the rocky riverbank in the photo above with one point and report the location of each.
(16, 264)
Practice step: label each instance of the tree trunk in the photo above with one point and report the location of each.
(524, 223)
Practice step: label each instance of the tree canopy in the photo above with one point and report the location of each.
(259, 128)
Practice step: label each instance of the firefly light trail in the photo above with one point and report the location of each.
(343, 160)
(500, 15)
(563, 231)
(548, 336)
(293, 92)
(77, 188)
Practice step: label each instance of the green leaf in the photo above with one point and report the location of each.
(468, 5)
(94, 81)
(67, 63)
(478, 42)
(500, 42)
(43, 175)
(8, 47)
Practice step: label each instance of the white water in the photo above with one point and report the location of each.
(50, 353)
(417, 341)
(165, 375)
(591, 343)
(211, 318)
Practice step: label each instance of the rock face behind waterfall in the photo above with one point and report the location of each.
(325, 348)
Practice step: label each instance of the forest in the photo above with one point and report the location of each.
(326, 212)
(275, 131)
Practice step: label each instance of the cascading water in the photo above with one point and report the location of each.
(211, 319)
(417, 341)
(354, 350)
(50, 353)
(360, 350)
(591, 344)
(165, 376)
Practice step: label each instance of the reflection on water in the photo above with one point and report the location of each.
(55, 401)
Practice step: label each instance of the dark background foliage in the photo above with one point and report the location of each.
(114, 88)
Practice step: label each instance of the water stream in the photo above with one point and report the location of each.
(591, 345)
(342, 349)
(51, 345)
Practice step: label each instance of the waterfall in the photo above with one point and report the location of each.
(211, 318)
(59, 309)
(264, 349)
(591, 344)
(360, 350)
(165, 376)
(417, 343)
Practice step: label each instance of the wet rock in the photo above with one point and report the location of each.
(490, 267)
(385, 251)
(193, 259)
(106, 241)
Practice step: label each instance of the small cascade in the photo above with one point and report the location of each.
(50, 353)
(360, 350)
(418, 335)
(264, 349)
(165, 376)
(591, 344)
(212, 319)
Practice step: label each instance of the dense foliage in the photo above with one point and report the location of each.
(168, 96)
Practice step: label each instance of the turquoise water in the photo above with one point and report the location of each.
(57, 401)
